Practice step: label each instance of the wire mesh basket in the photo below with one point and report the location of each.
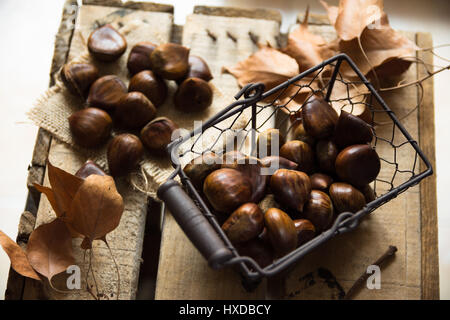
(255, 110)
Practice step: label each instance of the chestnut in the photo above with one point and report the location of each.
(369, 193)
(106, 44)
(257, 250)
(319, 210)
(281, 231)
(244, 224)
(320, 181)
(198, 68)
(291, 188)
(299, 133)
(300, 152)
(326, 153)
(90, 127)
(78, 77)
(139, 57)
(154, 88)
(170, 61)
(199, 168)
(226, 189)
(157, 134)
(274, 163)
(193, 95)
(345, 197)
(268, 139)
(305, 231)
(135, 110)
(268, 202)
(358, 164)
(318, 117)
(352, 130)
(106, 92)
(88, 168)
(124, 153)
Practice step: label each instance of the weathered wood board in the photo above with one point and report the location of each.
(409, 222)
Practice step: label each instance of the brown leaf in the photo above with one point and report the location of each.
(51, 198)
(19, 261)
(267, 65)
(49, 249)
(307, 48)
(96, 208)
(353, 16)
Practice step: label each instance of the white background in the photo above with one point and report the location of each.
(27, 30)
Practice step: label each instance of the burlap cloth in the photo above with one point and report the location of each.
(52, 109)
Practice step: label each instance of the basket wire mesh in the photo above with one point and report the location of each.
(255, 110)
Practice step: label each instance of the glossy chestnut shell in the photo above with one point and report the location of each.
(319, 118)
(193, 95)
(320, 181)
(124, 153)
(199, 168)
(139, 57)
(319, 210)
(154, 88)
(299, 133)
(106, 92)
(281, 231)
(299, 152)
(134, 110)
(157, 134)
(88, 168)
(78, 77)
(198, 68)
(291, 188)
(326, 153)
(90, 127)
(226, 189)
(244, 224)
(170, 61)
(106, 43)
(351, 130)
(345, 197)
(358, 164)
(305, 231)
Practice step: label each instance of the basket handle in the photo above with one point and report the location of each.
(194, 224)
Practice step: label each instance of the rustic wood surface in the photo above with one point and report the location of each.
(183, 273)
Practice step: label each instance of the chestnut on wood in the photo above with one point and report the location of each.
(78, 77)
(135, 110)
(154, 88)
(106, 92)
(281, 231)
(291, 188)
(170, 61)
(244, 224)
(226, 189)
(358, 164)
(319, 210)
(305, 231)
(90, 127)
(139, 57)
(193, 95)
(345, 197)
(319, 118)
(124, 153)
(198, 68)
(88, 168)
(106, 44)
(300, 152)
(157, 134)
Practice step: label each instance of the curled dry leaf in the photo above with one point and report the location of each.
(96, 208)
(19, 261)
(49, 248)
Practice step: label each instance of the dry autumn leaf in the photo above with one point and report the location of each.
(19, 261)
(49, 249)
(96, 208)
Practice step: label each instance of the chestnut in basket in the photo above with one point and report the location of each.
(326, 153)
(320, 181)
(88, 168)
(277, 162)
(226, 189)
(139, 57)
(346, 198)
(305, 231)
(78, 77)
(257, 250)
(90, 127)
(199, 168)
(291, 188)
(106, 92)
(154, 88)
(369, 193)
(319, 118)
(124, 153)
(299, 133)
(319, 210)
(170, 61)
(281, 231)
(193, 95)
(358, 164)
(351, 130)
(157, 134)
(106, 43)
(300, 152)
(267, 139)
(135, 110)
(244, 224)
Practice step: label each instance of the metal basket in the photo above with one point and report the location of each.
(278, 105)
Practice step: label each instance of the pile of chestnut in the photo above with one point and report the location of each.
(108, 101)
(324, 170)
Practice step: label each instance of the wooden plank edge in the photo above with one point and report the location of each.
(314, 19)
(428, 200)
(264, 14)
(144, 6)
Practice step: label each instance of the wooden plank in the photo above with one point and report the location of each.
(428, 201)
(183, 273)
(144, 6)
(125, 241)
(254, 13)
